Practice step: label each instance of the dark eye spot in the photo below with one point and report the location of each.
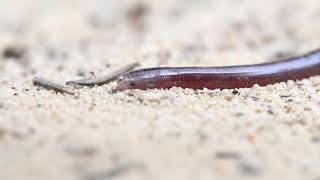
(132, 83)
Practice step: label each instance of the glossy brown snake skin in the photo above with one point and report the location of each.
(228, 77)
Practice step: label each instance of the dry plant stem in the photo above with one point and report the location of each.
(39, 81)
(105, 79)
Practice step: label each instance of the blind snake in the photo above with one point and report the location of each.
(228, 77)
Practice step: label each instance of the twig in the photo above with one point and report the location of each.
(105, 79)
(39, 81)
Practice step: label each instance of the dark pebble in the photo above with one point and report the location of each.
(235, 92)
(14, 52)
(1, 105)
(270, 111)
(227, 155)
(315, 139)
(249, 168)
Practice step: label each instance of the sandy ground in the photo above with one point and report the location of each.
(261, 132)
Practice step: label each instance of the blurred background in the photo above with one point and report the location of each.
(96, 33)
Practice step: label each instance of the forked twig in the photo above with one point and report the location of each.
(105, 79)
(39, 81)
